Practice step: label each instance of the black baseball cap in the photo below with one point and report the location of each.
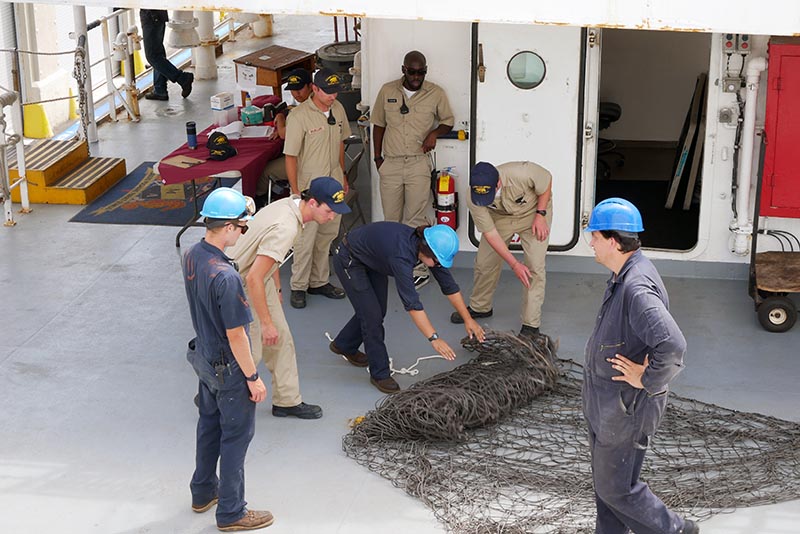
(328, 81)
(297, 79)
(483, 183)
(328, 190)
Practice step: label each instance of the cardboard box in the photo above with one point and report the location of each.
(221, 101)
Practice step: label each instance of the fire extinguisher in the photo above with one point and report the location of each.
(445, 200)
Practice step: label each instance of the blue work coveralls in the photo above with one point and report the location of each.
(633, 321)
(364, 261)
(227, 415)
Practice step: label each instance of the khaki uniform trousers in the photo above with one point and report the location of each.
(406, 189)
(276, 168)
(488, 266)
(311, 266)
(280, 359)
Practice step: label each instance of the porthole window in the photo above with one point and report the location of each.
(526, 70)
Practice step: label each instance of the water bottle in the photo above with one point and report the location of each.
(191, 135)
(247, 100)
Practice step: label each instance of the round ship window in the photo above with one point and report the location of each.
(526, 70)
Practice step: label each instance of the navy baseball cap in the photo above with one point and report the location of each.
(326, 189)
(483, 183)
(297, 79)
(328, 81)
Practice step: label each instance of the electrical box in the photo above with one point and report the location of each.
(780, 184)
(729, 42)
(743, 43)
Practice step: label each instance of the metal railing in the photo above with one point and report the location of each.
(11, 99)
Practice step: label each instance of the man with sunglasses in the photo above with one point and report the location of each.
(512, 198)
(408, 115)
(260, 254)
(229, 386)
(314, 146)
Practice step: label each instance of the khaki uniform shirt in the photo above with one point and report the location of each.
(522, 183)
(406, 132)
(271, 233)
(315, 143)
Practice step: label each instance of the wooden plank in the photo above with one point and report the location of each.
(778, 272)
(688, 141)
(696, 162)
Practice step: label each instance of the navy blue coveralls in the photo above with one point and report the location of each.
(227, 415)
(634, 321)
(363, 262)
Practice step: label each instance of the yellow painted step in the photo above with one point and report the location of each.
(83, 184)
(49, 160)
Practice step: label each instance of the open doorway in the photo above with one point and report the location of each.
(651, 121)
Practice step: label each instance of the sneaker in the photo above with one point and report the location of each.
(420, 281)
(386, 385)
(690, 527)
(186, 81)
(252, 520)
(328, 290)
(301, 411)
(531, 332)
(359, 359)
(298, 299)
(152, 95)
(455, 318)
(200, 508)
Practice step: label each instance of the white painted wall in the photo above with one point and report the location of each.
(447, 47)
(651, 75)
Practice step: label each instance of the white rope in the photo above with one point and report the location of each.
(411, 370)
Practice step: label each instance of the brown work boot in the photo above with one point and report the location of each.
(386, 385)
(202, 507)
(252, 520)
(359, 359)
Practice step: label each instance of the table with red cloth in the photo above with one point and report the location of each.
(252, 156)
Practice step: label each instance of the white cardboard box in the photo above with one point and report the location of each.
(221, 101)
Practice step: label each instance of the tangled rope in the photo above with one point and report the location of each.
(494, 457)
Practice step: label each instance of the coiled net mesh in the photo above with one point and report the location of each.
(499, 445)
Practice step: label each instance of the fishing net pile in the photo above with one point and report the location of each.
(498, 445)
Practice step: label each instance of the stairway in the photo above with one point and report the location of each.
(62, 172)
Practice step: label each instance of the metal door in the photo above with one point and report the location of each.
(539, 124)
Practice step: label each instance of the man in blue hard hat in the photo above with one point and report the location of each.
(634, 352)
(364, 261)
(229, 386)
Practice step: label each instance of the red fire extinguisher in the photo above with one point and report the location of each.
(445, 202)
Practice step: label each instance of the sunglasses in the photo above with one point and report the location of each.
(242, 227)
(415, 72)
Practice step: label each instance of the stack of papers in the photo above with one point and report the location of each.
(237, 130)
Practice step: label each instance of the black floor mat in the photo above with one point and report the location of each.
(674, 229)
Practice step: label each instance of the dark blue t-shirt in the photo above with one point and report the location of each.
(216, 299)
(390, 248)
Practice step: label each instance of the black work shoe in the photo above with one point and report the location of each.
(200, 508)
(455, 318)
(690, 527)
(298, 299)
(252, 520)
(359, 359)
(531, 332)
(301, 411)
(386, 385)
(420, 281)
(187, 79)
(328, 290)
(152, 95)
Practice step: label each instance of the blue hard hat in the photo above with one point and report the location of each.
(443, 241)
(615, 214)
(227, 203)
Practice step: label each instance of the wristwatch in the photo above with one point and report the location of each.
(433, 337)
(543, 213)
(253, 377)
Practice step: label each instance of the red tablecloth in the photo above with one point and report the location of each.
(253, 155)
